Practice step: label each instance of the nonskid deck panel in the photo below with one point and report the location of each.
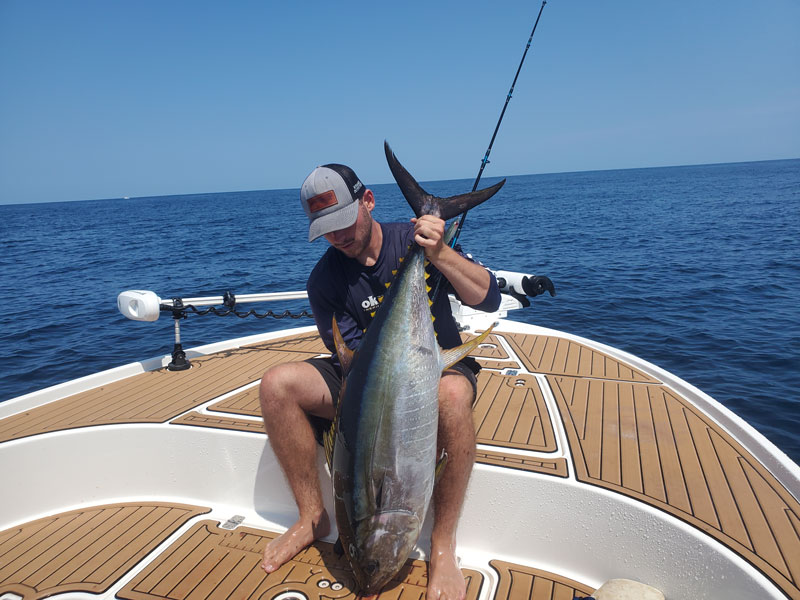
(160, 395)
(210, 562)
(645, 441)
(85, 550)
(518, 582)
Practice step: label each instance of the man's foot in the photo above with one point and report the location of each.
(298, 536)
(445, 580)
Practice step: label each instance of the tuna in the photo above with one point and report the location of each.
(382, 446)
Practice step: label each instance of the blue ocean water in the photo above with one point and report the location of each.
(696, 269)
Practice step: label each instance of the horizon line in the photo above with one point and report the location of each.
(391, 182)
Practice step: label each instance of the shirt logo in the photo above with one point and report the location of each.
(370, 304)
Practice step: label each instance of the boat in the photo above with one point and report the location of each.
(155, 479)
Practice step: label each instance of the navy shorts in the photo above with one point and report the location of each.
(332, 374)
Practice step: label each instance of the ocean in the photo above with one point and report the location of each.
(695, 269)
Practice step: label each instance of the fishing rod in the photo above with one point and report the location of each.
(485, 160)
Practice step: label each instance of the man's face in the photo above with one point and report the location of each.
(354, 240)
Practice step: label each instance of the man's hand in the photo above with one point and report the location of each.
(469, 280)
(429, 233)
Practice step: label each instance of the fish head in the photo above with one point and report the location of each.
(381, 546)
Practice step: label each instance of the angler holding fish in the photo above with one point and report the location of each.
(384, 457)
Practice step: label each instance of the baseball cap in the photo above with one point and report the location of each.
(329, 196)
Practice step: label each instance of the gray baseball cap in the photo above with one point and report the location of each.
(329, 196)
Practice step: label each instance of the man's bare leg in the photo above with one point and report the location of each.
(288, 391)
(457, 436)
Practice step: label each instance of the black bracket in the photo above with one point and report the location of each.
(179, 361)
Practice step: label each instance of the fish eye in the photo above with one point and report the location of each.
(371, 567)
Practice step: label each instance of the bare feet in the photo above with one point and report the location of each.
(445, 580)
(298, 536)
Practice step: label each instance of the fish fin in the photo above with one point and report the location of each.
(423, 203)
(375, 489)
(344, 353)
(451, 356)
(387, 284)
(440, 465)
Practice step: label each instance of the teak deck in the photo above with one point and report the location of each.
(626, 432)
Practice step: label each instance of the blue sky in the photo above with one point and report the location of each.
(108, 99)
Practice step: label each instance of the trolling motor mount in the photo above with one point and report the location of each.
(179, 361)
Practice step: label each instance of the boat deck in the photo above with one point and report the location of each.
(546, 404)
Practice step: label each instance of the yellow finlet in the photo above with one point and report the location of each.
(328, 443)
(440, 465)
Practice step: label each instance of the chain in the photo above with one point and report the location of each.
(250, 313)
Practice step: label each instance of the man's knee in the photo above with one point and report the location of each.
(458, 384)
(456, 393)
(297, 384)
(275, 386)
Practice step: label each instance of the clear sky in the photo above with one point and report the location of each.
(106, 99)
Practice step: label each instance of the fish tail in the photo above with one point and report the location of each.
(424, 203)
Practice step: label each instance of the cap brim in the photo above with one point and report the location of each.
(341, 219)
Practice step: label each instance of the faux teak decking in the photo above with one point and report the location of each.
(626, 432)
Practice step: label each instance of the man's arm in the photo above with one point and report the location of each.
(470, 280)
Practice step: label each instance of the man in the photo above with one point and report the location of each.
(298, 399)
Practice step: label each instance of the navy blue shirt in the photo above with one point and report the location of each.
(343, 287)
